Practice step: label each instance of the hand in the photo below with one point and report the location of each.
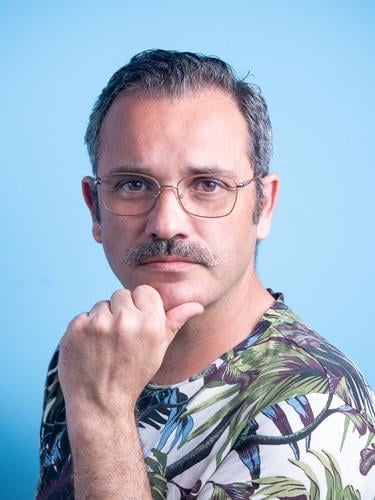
(108, 355)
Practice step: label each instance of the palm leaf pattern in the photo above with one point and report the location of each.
(253, 424)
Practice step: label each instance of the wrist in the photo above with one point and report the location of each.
(87, 423)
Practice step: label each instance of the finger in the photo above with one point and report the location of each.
(101, 307)
(121, 300)
(99, 319)
(145, 297)
(179, 315)
(77, 324)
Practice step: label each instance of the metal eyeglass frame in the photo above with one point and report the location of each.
(98, 180)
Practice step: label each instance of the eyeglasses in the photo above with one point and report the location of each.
(202, 195)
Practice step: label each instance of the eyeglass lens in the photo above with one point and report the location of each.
(202, 195)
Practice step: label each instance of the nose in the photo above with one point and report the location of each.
(167, 219)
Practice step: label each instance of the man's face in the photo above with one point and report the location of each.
(171, 139)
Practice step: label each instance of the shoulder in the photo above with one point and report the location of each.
(309, 413)
(302, 353)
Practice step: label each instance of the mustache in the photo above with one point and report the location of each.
(195, 252)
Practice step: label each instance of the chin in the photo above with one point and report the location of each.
(174, 295)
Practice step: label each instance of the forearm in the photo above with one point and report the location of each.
(107, 357)
(107, 460)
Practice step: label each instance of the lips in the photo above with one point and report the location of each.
(170, 264)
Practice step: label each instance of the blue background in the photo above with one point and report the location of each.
(315, 64)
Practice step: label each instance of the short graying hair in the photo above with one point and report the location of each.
(169, 73)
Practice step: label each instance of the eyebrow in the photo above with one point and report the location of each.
(212, 170)
(123, 169)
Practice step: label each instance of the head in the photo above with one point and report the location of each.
(171, 115)
(165, 73)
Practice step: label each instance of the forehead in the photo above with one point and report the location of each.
(165, 135)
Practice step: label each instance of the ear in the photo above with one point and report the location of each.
(89, 196)
(271, 184)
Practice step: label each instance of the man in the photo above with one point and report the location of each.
(194, 381)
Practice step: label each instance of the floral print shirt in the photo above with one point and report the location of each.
(284, 414)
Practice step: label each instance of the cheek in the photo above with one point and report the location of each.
(116, 240)
(117, 236)
(231, 239)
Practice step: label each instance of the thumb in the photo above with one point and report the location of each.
(179, 315)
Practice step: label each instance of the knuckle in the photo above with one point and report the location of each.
(73, 331)
(78, 322)
(99, 304)
(122, 293)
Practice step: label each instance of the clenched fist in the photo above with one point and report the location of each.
(108, 355)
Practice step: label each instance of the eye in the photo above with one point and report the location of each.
(209, 184)
(133, 185)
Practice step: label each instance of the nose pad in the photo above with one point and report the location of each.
(178, 196)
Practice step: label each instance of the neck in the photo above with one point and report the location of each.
(222, 326)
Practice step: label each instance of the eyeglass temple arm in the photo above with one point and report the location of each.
(245, 183)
